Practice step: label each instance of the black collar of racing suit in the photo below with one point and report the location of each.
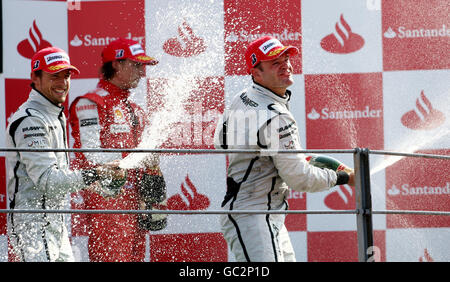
(59, 108)
(285, 99)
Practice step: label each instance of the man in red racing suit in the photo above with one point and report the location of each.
(106, 118)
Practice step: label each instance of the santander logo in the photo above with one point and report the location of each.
(442, 190)
(327, 114)
(246, 37)
(343, 40)
(187, 44)
(195, 200)
(341, 199)
(404, 32)
(424, 116)
(34, 43)
(389, 33)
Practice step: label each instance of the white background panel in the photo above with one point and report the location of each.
(18, 17)
(299, 243)
(410, 244)
(319, 19)
(402, 90)
(207, 182)
(163, 20)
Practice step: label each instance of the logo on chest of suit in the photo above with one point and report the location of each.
(247, 101)
(119, 116)
(120, 125)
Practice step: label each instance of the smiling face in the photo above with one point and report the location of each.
(275, 75)
(53, 86)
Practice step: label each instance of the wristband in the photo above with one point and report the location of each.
(342, 177)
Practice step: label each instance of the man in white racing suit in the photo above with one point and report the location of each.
(40, 180)
(259, 118)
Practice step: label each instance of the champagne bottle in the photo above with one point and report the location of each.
(324, 161)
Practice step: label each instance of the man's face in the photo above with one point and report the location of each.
(128, 73)
(275, 74)
(53, 86)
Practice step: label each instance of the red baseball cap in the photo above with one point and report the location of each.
(51, 60)
(266, 48)
(126, 49)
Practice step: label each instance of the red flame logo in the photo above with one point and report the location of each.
(430, 118)
(196, 201)
(29, 46)
(426, 257)
(187, 45)
(341, 199)
(344, 42)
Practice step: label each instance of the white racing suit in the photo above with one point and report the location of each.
(260, 119)
(40, 180)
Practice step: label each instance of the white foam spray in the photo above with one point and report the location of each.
(175, 93)
(413, 143)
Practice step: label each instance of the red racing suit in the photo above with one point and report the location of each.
(105, 118)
